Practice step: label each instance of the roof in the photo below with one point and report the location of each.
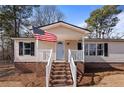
(86, 40)
(23, 38)
(64, 24)
(104, 40)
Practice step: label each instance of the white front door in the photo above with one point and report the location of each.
(60, 51)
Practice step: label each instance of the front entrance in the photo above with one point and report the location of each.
(60, 51)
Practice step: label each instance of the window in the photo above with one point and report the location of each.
(92, 49)
(86, 49)
(26, 48)
(79, 46)
(99, 49)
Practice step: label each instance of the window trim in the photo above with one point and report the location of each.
(92, 49)
(101, 49)
(23, 49)
(26, 48)
(96, 54)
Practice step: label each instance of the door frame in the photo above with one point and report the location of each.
(63, 49)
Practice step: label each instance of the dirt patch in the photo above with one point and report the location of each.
(9, 77)
(95, 79)
(112, 81)
(11, 84)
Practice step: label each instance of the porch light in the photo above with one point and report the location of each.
(68, 43)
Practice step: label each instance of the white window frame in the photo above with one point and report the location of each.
(26, 48)
(92, 49)
(95, 50)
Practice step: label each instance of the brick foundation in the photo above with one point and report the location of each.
(29, 67)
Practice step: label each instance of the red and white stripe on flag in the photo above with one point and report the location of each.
(46, 37)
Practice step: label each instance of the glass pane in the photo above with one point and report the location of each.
(27, 51)
(60, 43)
(86, 52)
(27, 45)
(99, 52)
(92, 49)
(86, 46)
(99, 46)
(92, 52)
(92, 46)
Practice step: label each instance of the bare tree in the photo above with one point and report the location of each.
(47, 14)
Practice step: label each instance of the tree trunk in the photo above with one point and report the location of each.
(2, 46)
(15, 21)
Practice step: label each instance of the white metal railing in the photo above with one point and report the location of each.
(73, 68)
(48, 68)
(78, 55)
(44, 54)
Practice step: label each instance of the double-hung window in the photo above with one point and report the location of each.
(26, 48)
(92, 49)
(99, 49)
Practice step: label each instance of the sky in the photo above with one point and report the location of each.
(77, 14)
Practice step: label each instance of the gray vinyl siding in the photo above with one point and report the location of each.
(115, 53)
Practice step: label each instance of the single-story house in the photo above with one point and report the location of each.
(71, 49)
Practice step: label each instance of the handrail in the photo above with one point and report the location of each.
(78, 55)
(48, 68)
(73, 68)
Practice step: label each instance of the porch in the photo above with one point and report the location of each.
(78, 55)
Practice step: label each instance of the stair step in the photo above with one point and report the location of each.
(61, 77)
(59, 61)
(61, 72)
(62, 81)
(60, 69)
(60, 64)
(61, 85)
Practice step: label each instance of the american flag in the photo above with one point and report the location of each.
(44, 35)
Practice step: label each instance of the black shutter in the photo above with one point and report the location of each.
(79, 46)
(106, 49)
(32, 48)
(20, 48)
